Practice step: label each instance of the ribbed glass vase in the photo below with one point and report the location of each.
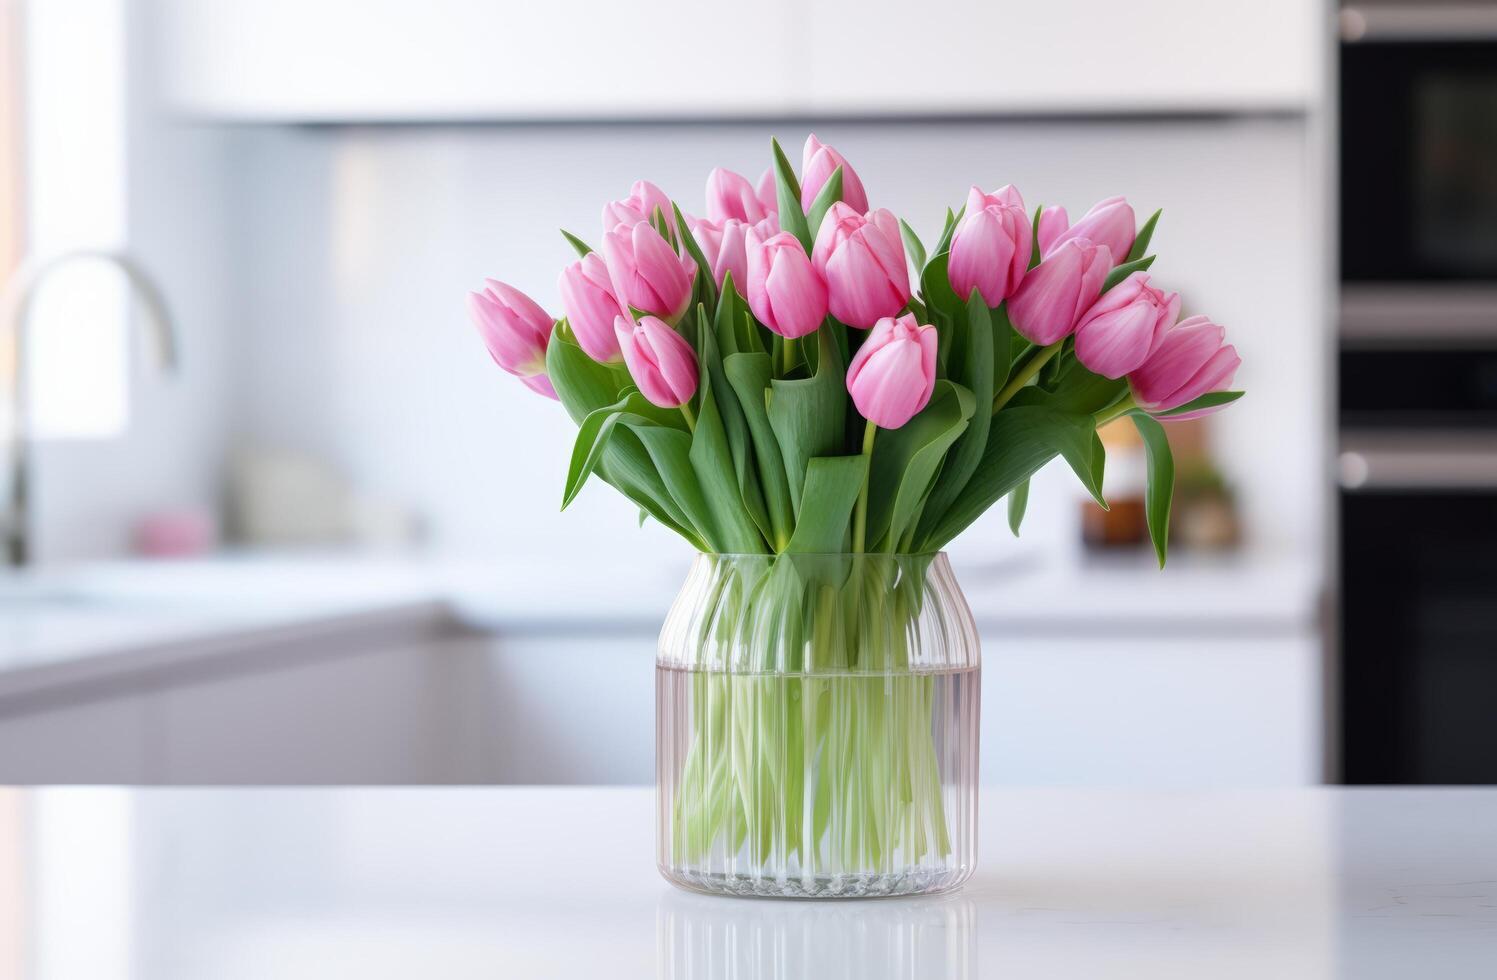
(816, 727)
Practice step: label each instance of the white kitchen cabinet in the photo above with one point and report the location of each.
(560, 708)
(372, 717)
(961, 56)
(371, 60)
(97, 741)
(1172, 710)
(464, 59)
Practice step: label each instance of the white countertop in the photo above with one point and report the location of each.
(68, 622)
(557, 882)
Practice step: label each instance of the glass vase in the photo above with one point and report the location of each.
(816, 727)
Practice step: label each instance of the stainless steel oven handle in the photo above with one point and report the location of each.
(1415, 469)
(1418, 21)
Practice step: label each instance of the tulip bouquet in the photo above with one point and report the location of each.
(796, 374)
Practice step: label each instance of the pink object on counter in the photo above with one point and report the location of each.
(176, 534)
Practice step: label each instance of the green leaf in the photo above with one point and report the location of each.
(974, 370)
(830, 193)
(581, 247)
(706, 284)
(661, 223)
(749, 375)
(1121, 272)
(584, 386)
(1209, 400)
(912, 245)
(592, 437)
(1087, 459)
(825, 513)
(1018, 502)
(1002, 344)
(952, 220)
(906, 460)
(1077, 390)
(1034, 249)
(1161, 481)
(809, 415)
(1020, 441)
(935, 288)
(719, 455)
(1145, 236)
(670, 451)
(787, 193)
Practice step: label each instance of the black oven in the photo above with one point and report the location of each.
(1418, 470)
(1418, 114)
(1417, 671)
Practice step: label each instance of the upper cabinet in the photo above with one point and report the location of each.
(436, 60)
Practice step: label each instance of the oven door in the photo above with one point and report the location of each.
(1418, 665)
(1418, 116)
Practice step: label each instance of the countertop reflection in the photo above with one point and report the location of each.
(112, 884)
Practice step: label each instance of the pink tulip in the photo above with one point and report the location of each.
(817, 163)
(646, 272)
(990, 250)
(644, 197)
(1056, 293)
(660, 360)
(724, 246)
(767, 192)
(730, 195)
(862, 261)
(1053, 223)
(1109, 223)
(1192, 360)
(587, 297)
(892, 375)
(783, 289)
(1124, 327)
(516, 331)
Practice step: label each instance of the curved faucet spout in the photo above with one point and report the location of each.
(15, 311)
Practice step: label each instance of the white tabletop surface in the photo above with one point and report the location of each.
(557, 882)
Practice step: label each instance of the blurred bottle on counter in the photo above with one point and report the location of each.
(1204, 515)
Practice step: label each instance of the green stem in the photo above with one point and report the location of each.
(788, 348)
(1026, 371)
(1123, 407)
(691, 420)
(860, 515)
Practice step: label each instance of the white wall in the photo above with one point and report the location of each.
(360, 244)
(89, 492)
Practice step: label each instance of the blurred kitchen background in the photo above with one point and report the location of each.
(284, 521)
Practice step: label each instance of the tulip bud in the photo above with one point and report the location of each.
(783, 289)
(990, 250)
(588, 299)
(1122, 328)
(646, 272)
(767, 192)
(1192, 360)
(660, 360)
(724, 246)
(516, 331)
(644, 197)
(1109, 223)
(893, 374)
(1057, 292)
(862, 261)
(818, 161)
(730, 195)
(1053, 223)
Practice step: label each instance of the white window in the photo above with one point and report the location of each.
(72, 88)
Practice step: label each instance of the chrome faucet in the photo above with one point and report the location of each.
(18, 296)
